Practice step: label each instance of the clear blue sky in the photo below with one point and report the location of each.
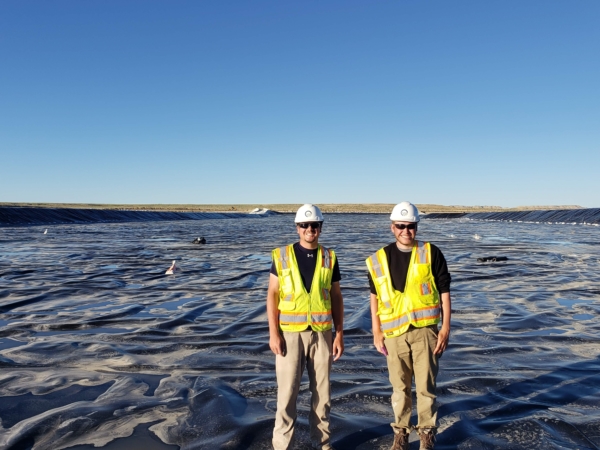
(461, 102)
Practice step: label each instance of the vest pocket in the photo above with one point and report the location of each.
(286, 288)
(326, 298)
(424, 293)
(287, 305)
(421, 272)
(423, 284)
(325, 286)
(385, 297)
(427, 296)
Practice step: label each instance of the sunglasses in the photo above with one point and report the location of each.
(312, 225)
(410, 226)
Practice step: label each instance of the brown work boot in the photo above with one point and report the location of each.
(400, 441)
(427, 439)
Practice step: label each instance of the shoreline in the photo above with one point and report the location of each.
(349, 208)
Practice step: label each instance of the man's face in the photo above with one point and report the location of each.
(405, 233)
(309, 233)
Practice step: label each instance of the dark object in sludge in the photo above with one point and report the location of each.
(492, 259)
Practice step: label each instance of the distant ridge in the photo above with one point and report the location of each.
(382, 208)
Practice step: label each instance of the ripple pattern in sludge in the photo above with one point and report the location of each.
(99, 347)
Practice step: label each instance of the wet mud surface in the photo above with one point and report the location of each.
(99, 348)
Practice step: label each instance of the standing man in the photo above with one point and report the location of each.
(304, 303)
(410, 293)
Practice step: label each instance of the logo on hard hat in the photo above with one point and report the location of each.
(308, 213)
(404, 212)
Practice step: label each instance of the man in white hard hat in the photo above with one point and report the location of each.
(304, 304)
(410, 294)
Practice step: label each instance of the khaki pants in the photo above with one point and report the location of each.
(312, 350)
(412, 354)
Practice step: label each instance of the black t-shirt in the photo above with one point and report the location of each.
(307, 262)
(399, 260)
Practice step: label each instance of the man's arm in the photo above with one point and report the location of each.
(378, 338)
(276, 341)
(337, 311)
(444, 334)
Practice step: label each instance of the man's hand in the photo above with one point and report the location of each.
(379, 342)
(338, 346)
(277, 344)
(276, 341)
(444, 334)
(442, 342)
(378, 338)
(337, 312)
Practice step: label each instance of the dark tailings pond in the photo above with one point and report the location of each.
(98, 347)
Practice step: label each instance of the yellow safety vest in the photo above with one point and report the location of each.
(297, 308)
(418, 305)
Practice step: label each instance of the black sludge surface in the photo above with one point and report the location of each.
(99, 348)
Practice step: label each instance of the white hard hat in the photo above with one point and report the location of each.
(308, 213)
(405, 212)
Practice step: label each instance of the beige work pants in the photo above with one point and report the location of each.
(412, 354)
(312, 350)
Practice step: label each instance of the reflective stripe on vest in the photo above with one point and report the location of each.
(284, 257)
(422, 253)
(292, 318)
(326, 257)
(317, 318)
(321, 317)
(417, 315)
